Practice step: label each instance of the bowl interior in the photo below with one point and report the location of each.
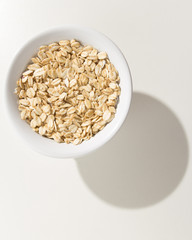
(86, 36)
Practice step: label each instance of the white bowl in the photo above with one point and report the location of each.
(86, 36)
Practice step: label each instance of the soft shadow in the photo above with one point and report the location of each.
(144, 162)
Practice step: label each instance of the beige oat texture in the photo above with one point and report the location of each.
(68, 92)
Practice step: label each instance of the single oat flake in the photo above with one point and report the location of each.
(68, 92)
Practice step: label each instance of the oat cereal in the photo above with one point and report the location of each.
(69, 92)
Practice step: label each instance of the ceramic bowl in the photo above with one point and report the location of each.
(85, 36)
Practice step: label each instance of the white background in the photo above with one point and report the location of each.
(139, 186)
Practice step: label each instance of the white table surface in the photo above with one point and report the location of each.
(139, 186)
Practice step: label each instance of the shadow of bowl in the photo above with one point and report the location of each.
(144, 162)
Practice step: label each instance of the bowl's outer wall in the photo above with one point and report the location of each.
(22, 58)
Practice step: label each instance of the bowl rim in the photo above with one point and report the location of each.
(8, 76)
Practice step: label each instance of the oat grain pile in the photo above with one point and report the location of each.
(69, 92)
